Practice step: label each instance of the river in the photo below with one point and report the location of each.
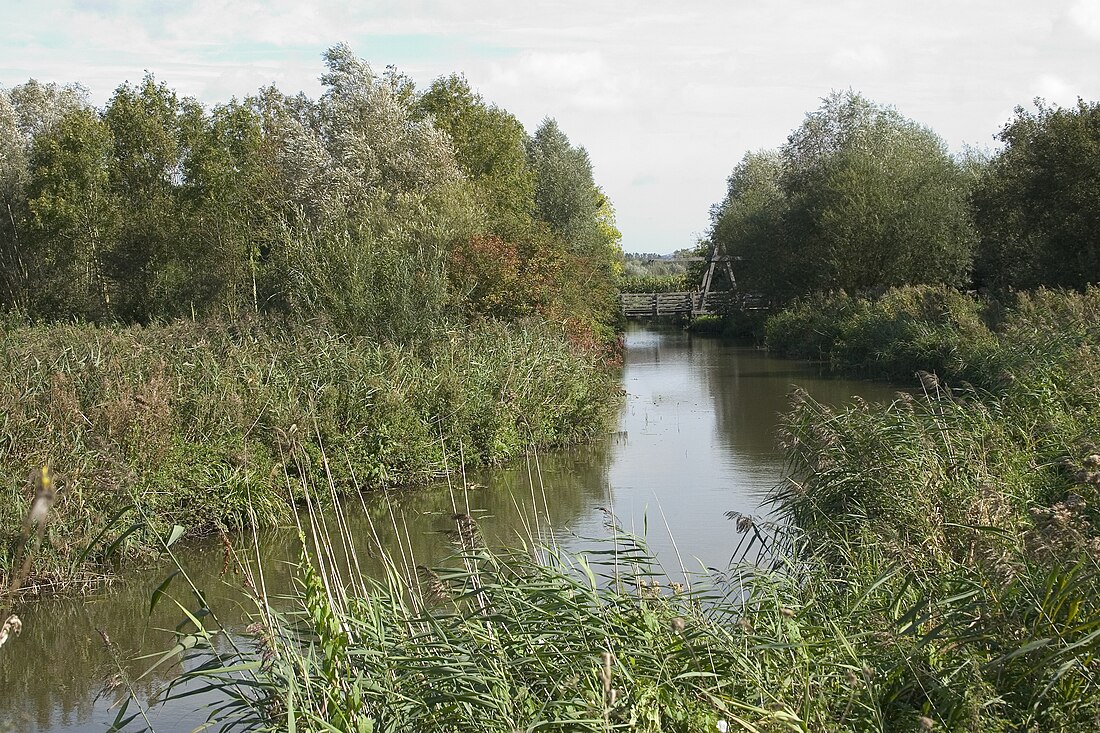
(695, 439)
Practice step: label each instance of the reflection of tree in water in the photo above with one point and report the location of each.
(752, 389)
(52, 673)
(511, 503)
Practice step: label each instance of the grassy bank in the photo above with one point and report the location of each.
(986, 342)
(202, 424)
(938, 569)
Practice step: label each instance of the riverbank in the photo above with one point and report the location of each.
(210, 426)
(979, 496)
(938, 569)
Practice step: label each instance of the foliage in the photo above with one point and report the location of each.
(196, 423)
(928, 328)
(26, 111)
(655, 283)
(1045, 339)
(859, 197)
(818, 636)
(1036, 204)
(645, 265)
(489, 144)
(347, 211)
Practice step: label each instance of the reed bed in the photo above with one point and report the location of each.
(937, 568)
(834, 620)
(195, 424)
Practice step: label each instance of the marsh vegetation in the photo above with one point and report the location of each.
(220, 320)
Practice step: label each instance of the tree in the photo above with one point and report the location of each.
(74, 218)
(566, 197)
(377, 203)
(26, 111)
(748, 224)
(1036, 206)
(874, 200)
(489, 144)
(228, 206)
(147, 262)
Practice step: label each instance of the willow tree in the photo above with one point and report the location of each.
(377, 199)
(874, 199)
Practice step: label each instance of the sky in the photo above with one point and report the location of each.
(665, 96)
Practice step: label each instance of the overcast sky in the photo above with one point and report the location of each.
(665, 96)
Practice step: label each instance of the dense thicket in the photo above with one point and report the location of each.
(378, 208)
(861, 198)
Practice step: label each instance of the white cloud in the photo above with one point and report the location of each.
(1086, 15)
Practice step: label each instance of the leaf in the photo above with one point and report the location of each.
(96, 540)
(187, 642)
(162, 588)
(113, 547)
(177, 532)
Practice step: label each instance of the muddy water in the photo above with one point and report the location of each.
(694, 439)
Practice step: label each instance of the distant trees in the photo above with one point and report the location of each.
(859, 197)
(1038, 206)
(380, 209)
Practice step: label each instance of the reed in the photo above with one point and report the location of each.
(937, 568)
(807, 630)
(196, 424)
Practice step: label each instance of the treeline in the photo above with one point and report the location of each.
(653, 273)
(861, 198)
(379, 209)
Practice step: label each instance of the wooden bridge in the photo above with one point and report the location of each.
(689, 303)
(702, 302)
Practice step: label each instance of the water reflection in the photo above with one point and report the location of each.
(695, 439)
(698, 439)
(57, 675)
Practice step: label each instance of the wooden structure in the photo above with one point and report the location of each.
(688, 303)
(703, 302)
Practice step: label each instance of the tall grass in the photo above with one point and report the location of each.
(789, 638)
(937, 568)
(655, 283)
(196, 424)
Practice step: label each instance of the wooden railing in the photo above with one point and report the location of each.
(688, 303)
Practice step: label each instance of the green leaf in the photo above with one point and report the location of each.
(162, 588)
(177, 532)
